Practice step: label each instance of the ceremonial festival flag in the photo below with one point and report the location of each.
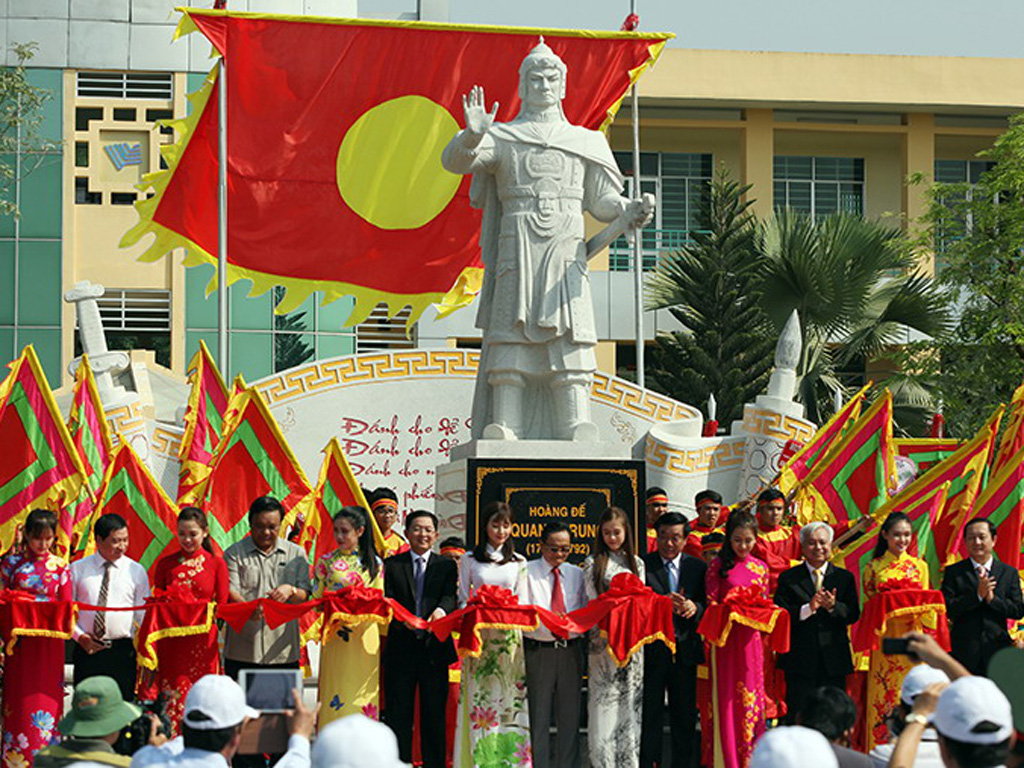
(1002, 502)
(1012, 440)
(926, 452)
(336, 488)
(856, 474)
(39, 464)
(130, 491)
(91, 435)
(801, 463)
(252, 459)
(204, 418)
(335, 129)
(922, 510)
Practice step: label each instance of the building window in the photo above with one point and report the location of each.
(379, 333)
(679, 181)
(819, 185)
(956, 172)
(155, 86)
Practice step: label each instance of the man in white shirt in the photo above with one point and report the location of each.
(211, 727)
(553, 666)
(108, 578)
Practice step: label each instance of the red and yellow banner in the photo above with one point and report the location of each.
(204, 421)
(334, 131)
(91, 435)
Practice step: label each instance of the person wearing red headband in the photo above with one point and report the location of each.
(709, 509)
(384, 505)
(657, 505)
(777, 544)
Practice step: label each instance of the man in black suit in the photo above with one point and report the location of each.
(681, 577)
(981, 594)
(822, 602)
(425, 583)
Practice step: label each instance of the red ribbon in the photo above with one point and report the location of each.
(749, 607)
(893, 596)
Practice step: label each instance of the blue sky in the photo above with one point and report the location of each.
(912, 27)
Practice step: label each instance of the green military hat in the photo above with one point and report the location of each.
(97, 709)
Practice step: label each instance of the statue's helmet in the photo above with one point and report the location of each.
(541, 57)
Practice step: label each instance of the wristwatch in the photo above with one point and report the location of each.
(916, 717)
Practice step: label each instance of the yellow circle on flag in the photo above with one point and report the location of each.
(389, 163)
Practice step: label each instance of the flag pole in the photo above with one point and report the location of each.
(638, 261)
(222, 219)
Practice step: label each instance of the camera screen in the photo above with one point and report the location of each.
(270, 690)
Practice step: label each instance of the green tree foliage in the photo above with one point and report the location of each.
(21, 118)
(977, 233)
(857, 287)
(711, 288)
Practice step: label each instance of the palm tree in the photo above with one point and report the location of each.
(857, 287)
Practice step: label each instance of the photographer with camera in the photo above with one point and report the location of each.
(92, 727)
(211, 727)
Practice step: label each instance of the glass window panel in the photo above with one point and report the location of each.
(333, 316)
(47, 345)
(251, 355)
(39, 278)
(648, 163)
(625, 162)
(826, 168)
(51, 126)
(6, 287)
(334, 345)
(851, 198)
(300, 319)
(978, 167)
(950, 171)
(40, 197)
(7, 351)
(826, 199)
(292, 349)
(249, 313)
(858, 169)
(192, 346)
(799, 197)
(200, 310)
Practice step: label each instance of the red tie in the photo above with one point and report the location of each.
(557, 598)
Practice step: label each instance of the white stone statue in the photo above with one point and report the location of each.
(534, 178)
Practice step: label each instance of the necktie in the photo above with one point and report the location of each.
(673, 578)
(99, 625)
(982, 572)
(418, 571)
(818, 579)
(557, 596)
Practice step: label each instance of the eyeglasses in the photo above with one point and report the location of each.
(558, 550)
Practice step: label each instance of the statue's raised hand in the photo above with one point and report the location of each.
(478, 119)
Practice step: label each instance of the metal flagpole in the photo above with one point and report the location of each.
(638, 260)
(222, 220)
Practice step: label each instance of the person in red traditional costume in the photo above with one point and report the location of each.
(384, 505)
(778, 545)
(737, 668)
(192, 574)
(711, 545)
(656, 506)
(33, 684)
(709, 509)
(891, 568)
(615, 694)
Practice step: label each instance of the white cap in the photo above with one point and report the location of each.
(919, 678)
(793, 746)
(967, 704)
(356, 741)
(216, 701)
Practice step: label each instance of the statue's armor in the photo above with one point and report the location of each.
(542, 291)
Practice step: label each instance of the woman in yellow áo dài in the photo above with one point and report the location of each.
(891, 568)
(350, 656)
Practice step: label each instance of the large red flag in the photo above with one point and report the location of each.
(1002, 502)
(335, 131)
(1012, 440)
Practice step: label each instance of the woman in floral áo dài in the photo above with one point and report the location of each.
(615, 694)
(350, 659)
(195, 574)
(33, 687)
(493, 723)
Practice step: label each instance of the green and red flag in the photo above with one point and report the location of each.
(335, 129)
(926, 452)
(855, 476)
(91, 435)
(923, 512)
(204, 420)
(1012, 440)
(252, 459)
(1002, 502)
(130, 491)
(336, 488)
(39, 464)
(800, 464)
